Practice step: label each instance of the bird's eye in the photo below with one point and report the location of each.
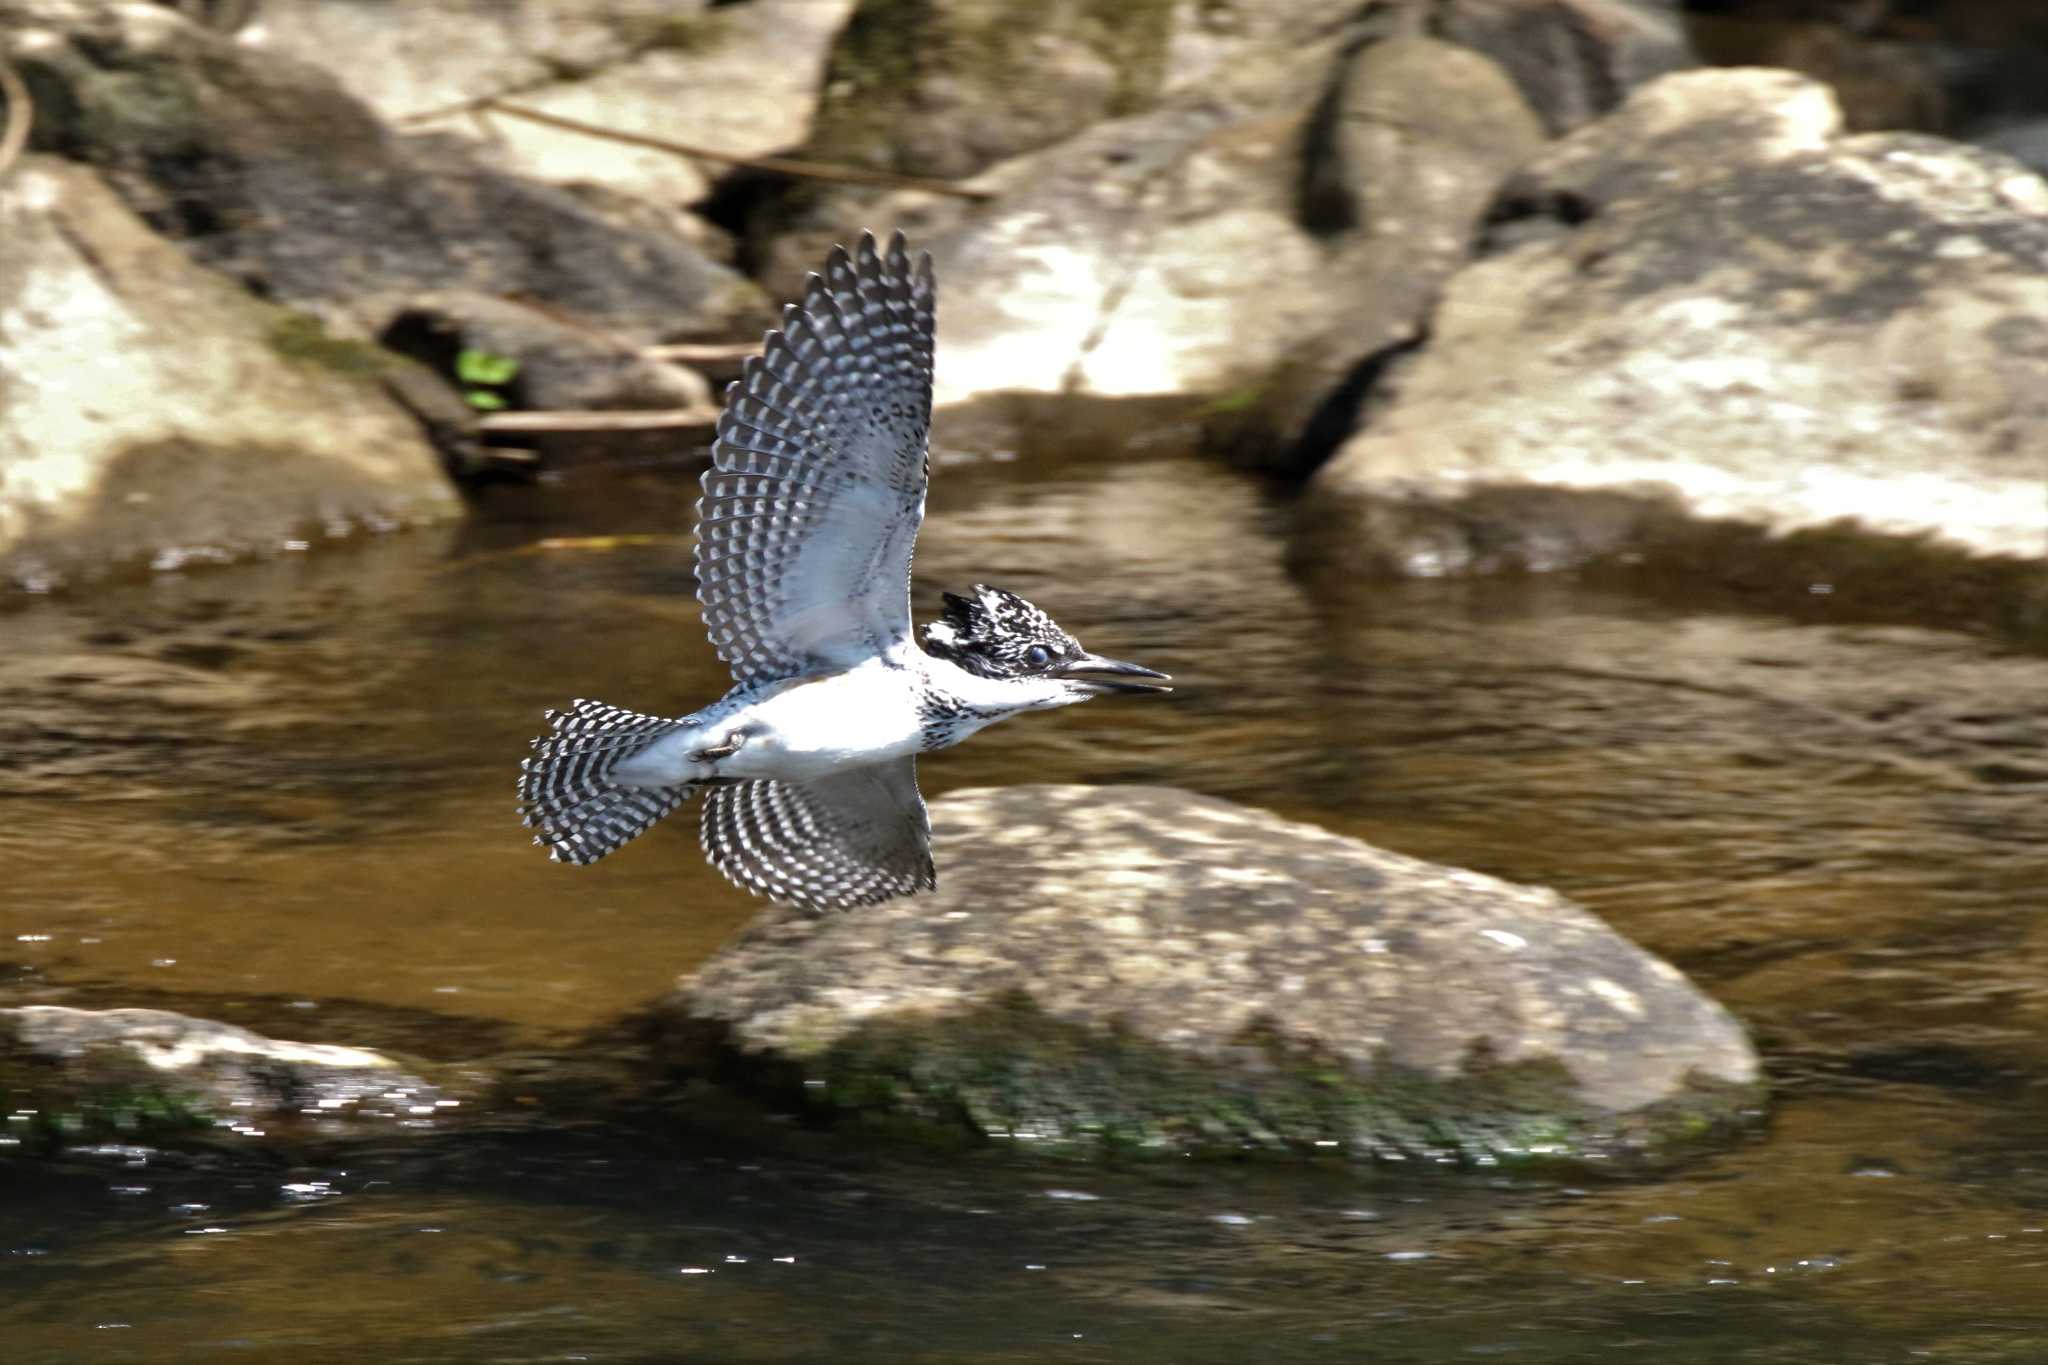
(1038, 656)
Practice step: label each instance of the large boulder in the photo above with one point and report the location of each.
(1248, 264)
(949, 89)
(1262, 244)
(266, 168)
(124, 442)
(1716, 299)
(1145, 967)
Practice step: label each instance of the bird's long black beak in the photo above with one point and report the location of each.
(1077, 668)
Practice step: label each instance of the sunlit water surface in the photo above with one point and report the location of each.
(281, 794)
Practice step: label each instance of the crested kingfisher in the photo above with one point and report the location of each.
(804, 535)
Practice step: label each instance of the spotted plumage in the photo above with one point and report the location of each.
(805, 532)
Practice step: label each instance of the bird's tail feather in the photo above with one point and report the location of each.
(566, 790)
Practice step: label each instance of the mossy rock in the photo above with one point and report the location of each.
(1008, 1073)
(44, 1108)
(1135, 969)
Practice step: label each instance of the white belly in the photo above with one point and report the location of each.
(863, 716)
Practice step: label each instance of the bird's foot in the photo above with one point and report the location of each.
(725, 749)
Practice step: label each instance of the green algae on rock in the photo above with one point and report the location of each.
(1143, 969)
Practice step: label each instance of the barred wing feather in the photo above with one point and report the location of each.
(811, 509)
(857, 837)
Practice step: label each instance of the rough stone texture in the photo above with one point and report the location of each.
(1573, 60)
(1287, 188)
(87, 1073)
(945, 89)
(1184, 934)
(1251, 262)
(1400, 163)
(405, 59)
(121, 440)
(266, 168)
(1716, 296)
(743, 79)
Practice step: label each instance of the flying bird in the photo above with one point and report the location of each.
(804, 536)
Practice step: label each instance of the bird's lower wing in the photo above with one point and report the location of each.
(857, 837)
(816, 491)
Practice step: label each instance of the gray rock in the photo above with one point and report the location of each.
(86, 1074)
(1573, 60)
(2025, 141)
(1714, 298)
(1146, 966)
(1246, 258)
(404, 60)
(122, 442)
(1269, 226)
(741, 79)
(266, 168)
(1401, 161)
(947, 88)
(953, 89)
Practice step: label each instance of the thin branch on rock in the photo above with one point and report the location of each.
(701, 352)
(20, 114)
(626, 419)
(775, 165)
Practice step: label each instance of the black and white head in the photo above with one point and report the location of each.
(998, 635)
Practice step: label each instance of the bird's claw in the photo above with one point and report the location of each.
(726, 749)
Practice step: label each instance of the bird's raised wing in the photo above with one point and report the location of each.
(859, 836)
(811, 508)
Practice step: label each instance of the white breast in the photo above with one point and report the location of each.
(863, 715)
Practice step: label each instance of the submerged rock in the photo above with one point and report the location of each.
(1143, 967)
(71, 1074)
(152, 413)
(1716, 300)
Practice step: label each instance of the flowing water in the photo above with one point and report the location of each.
(280, 794)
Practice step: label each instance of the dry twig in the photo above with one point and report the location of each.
(701, 352)
(624, 419)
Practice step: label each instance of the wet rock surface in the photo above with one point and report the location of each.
(123, 443)
(77, 1073)
(1717, 296)
(1147, 967)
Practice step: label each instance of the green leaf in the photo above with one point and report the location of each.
(482, 367)
(483, 400)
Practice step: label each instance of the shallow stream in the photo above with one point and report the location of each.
(280, 794)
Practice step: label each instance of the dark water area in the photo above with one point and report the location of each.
(281, 794)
